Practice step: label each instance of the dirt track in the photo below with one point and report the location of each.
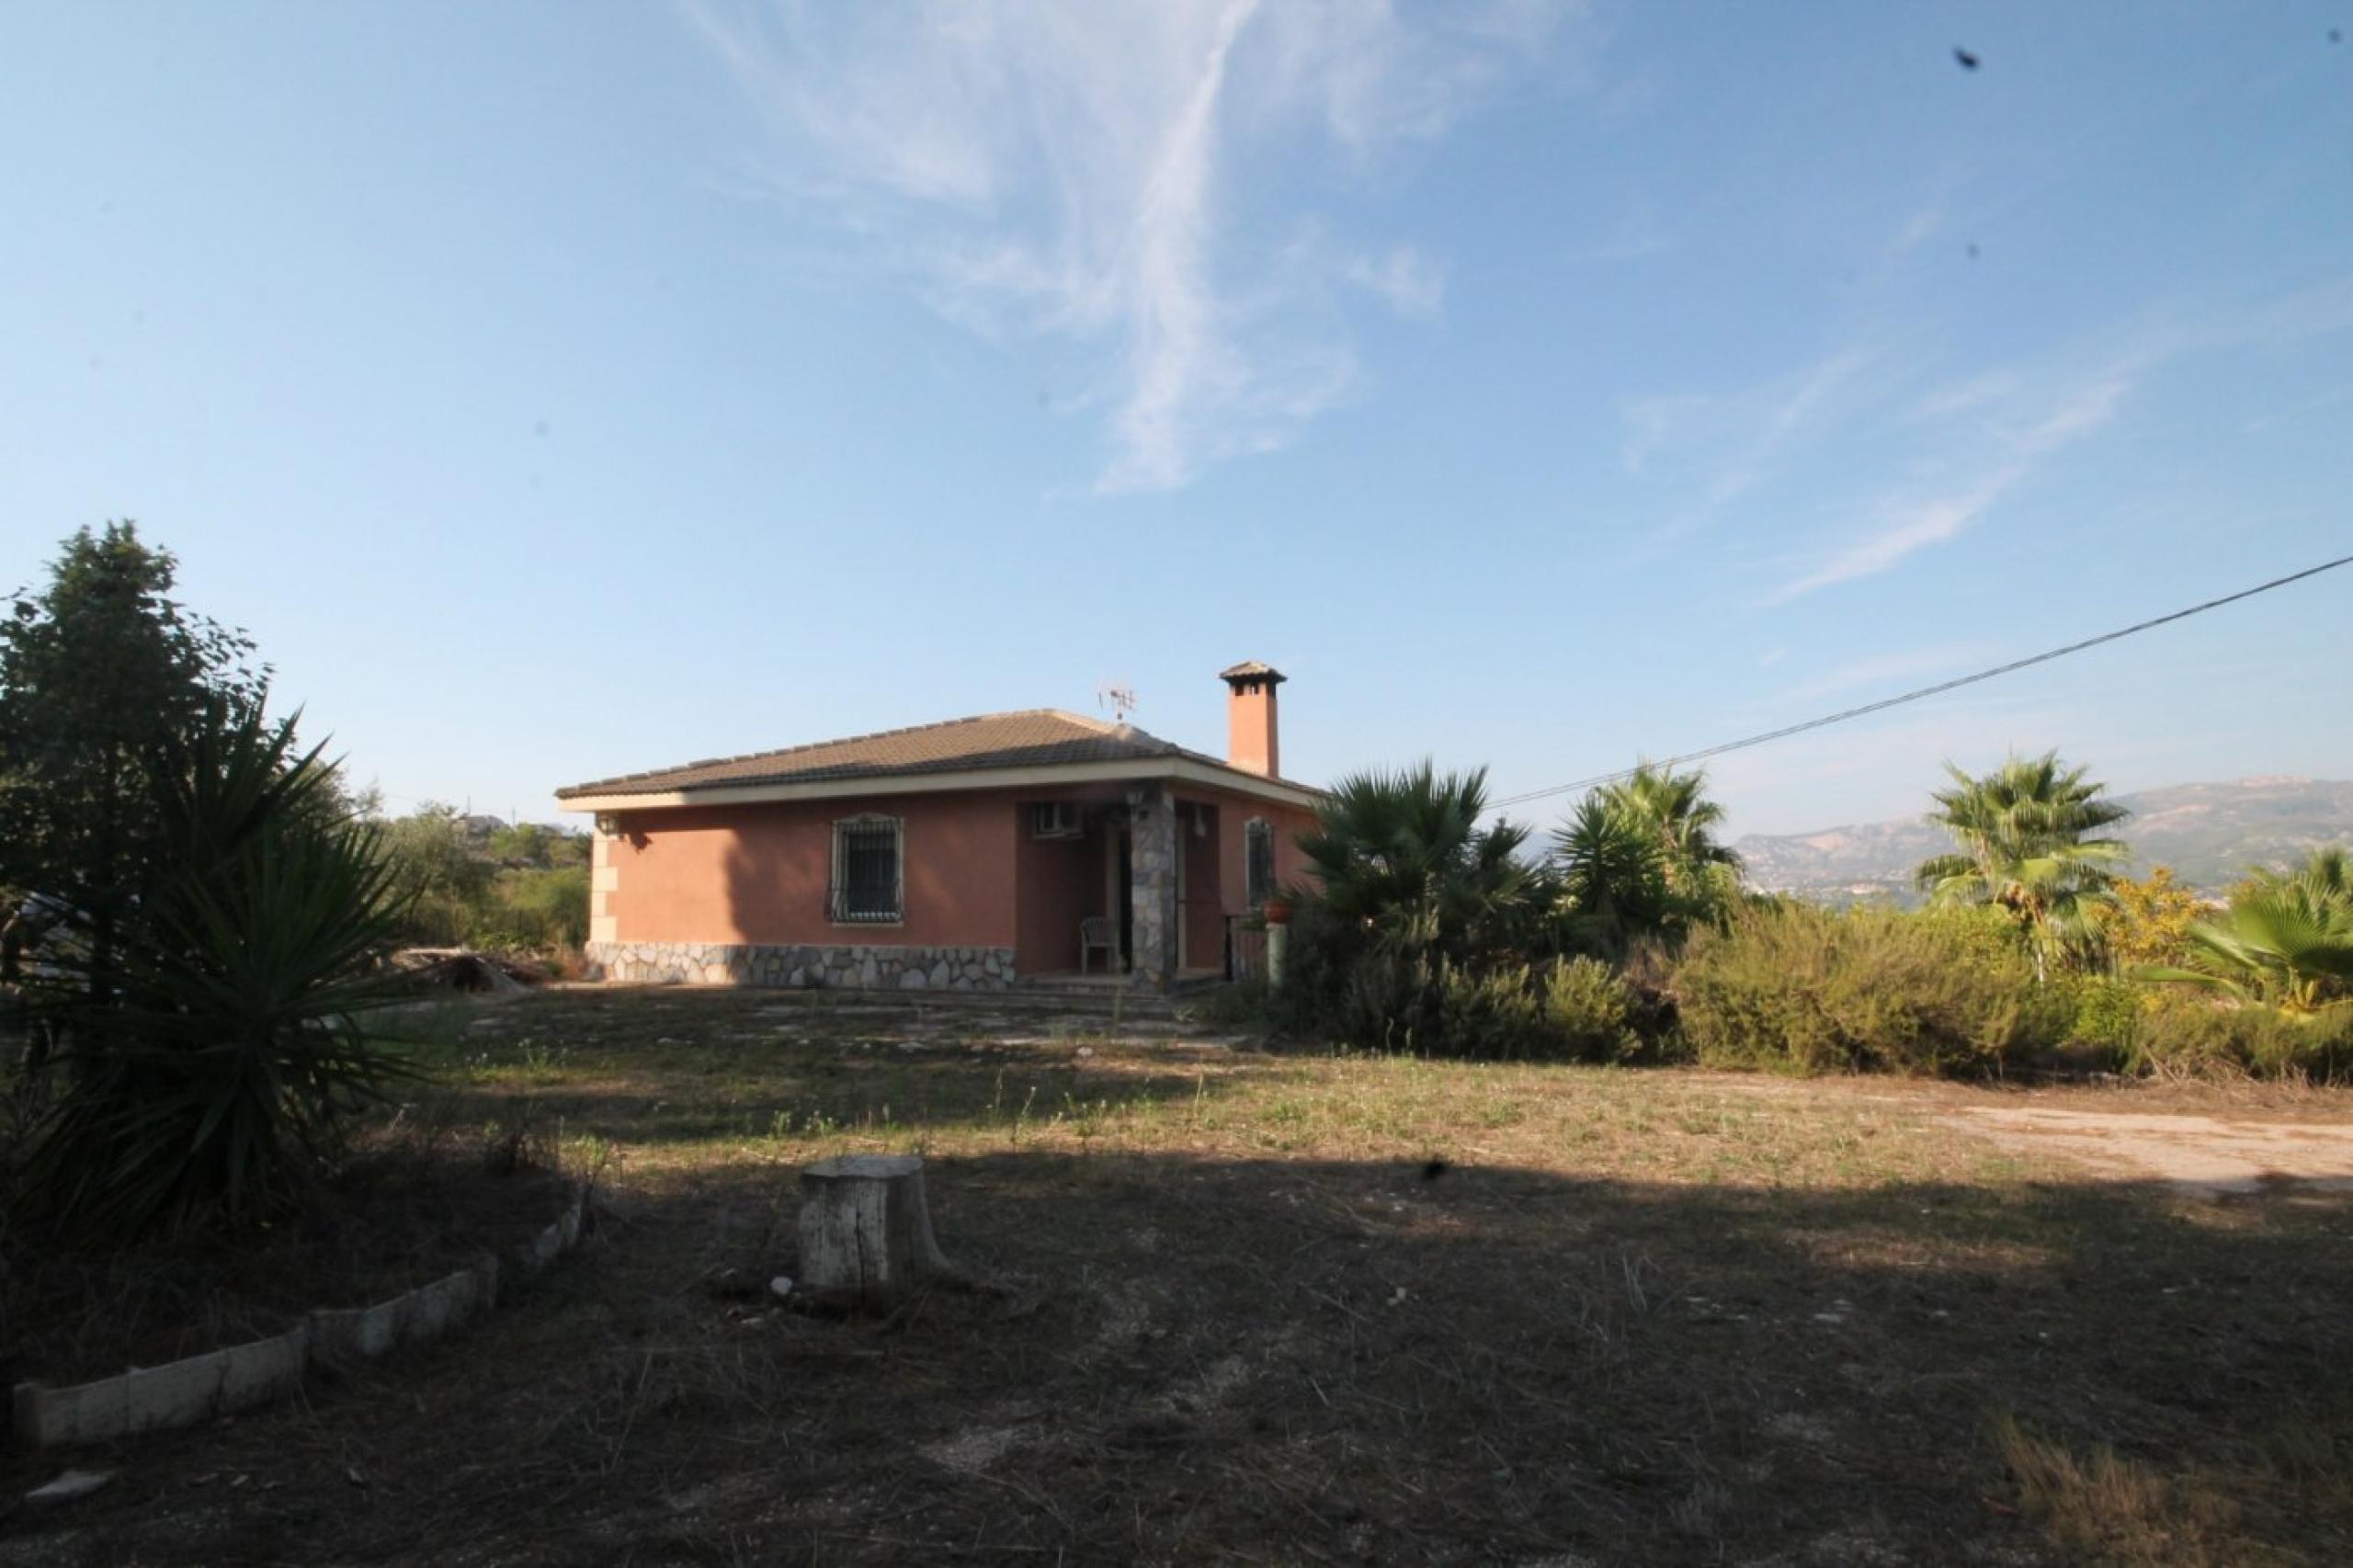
(2214, 1154)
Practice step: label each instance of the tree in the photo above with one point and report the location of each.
(1402, 855)
(1674, 808)
(1614, 882)
(1639, 857)
(441, 881)
(99, 674)
(526, 845)
(2026, 835)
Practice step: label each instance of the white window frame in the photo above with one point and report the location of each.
(1077, 828)
(837, 887)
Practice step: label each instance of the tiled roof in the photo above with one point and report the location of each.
(1039, 737)
(1250, 669)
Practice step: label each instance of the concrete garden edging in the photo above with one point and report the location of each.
(197, 1388)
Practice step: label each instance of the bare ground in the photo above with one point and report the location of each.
(1319, 1310)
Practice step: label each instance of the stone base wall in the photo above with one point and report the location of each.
(846, 968)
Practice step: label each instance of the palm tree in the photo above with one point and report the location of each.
(1403, 856)
(1675, 810)
(1615, 878)
(2286, 940)
(2026, 833)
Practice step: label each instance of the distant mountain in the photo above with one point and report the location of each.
(2210, 834)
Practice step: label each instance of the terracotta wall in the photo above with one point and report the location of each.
(1291, 866)
(759, 873)
(976, 876)
(1204, 879)
(1059, 882)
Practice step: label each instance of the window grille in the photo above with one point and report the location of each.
(867, 866)
(1258, 844)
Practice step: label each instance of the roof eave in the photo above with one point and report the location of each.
(1198, 770)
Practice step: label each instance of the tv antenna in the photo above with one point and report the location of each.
(1118, 696)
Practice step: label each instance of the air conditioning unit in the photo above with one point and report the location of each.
(1055, 819)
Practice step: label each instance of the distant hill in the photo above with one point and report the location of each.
(2208, 833)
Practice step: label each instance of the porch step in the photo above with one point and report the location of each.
(1038, 1009)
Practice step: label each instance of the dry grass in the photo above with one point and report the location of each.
(1302, 1309)
(422, 1193)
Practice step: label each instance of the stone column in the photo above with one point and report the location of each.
(1151, 868)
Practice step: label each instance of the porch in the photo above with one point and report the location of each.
(1135, 884)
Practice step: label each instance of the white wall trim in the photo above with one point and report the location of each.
(1206, 775)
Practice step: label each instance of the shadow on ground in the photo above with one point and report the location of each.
(1325, 1362)
(684, 1068)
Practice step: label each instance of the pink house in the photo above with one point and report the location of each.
(962, 855)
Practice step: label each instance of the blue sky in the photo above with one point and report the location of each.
(555, 391)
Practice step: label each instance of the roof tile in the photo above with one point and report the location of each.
(1038, 738)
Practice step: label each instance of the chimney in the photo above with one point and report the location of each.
(1250, 718)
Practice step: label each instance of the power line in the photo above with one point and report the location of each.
(1886, 702)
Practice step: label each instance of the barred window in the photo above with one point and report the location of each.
(1258, 860)
(866, 863)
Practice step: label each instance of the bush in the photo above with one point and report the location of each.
(523, 887)
(534, 909)
(1381, 999)
(2108, 1016)
(1589, 1011)
(2195, 1037)
(1496, 1013)
(1804, 988)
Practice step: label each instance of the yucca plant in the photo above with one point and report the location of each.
(213, 1047)
(2285, 940)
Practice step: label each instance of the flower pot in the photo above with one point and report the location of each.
(1277, 910)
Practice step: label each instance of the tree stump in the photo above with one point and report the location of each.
(865, 1237)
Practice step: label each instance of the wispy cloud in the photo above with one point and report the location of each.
(1910, 523)
(1074, 170)
(1922, 225)
(1911, 526)
(1878, 676)
(1638, 235)
(1965, 396)
(1404, 280)
(1755, 426)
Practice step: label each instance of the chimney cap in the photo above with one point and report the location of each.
(1251, 669)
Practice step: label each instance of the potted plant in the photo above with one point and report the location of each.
(1277, 910)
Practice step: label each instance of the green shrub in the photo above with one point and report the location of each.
(1572, 1009)
(2187, 1035)
(1496, 1013)
(538, 909)
(1386, 1002)
(1589, 1011)
(1804, 988)
(2108, 1016)
(1319, 964)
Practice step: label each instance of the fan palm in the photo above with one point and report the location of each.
(2285, 939)
(1402, 855)
(1674, 808)
(1614, 874)
(2027, 836)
